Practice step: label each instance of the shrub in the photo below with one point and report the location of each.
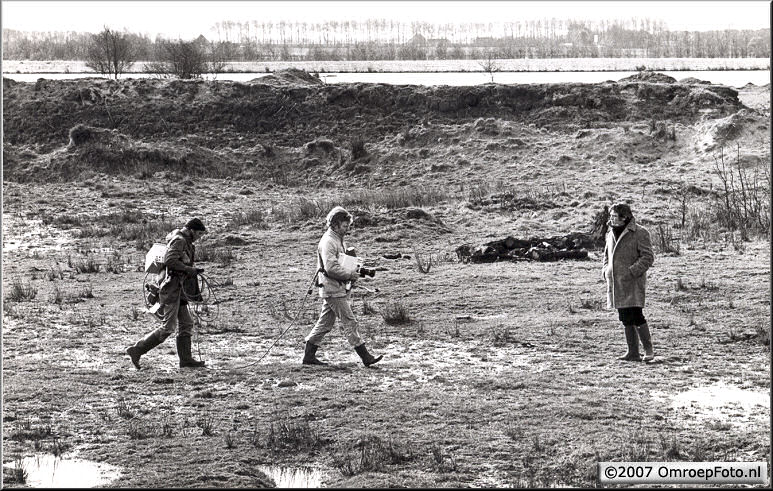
(207, 424)
(221, 255)
(664, 240)
(744, 199)
(80, 134)
(395, 313)
(21, 292)
(358, 148)
(20, 473)
(90, 265)
(123, 409)
(254, 217)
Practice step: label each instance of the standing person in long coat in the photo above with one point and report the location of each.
(627, 257)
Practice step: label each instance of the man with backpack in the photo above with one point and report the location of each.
(176, 283)
(335, 290)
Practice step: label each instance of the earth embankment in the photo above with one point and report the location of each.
(290, 109)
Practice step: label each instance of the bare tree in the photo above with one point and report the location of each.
(110, 53)
(489, 65)
(181, 59)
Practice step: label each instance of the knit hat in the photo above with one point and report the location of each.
(338, 213)
(195, 224)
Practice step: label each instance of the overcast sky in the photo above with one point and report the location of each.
(187, 19)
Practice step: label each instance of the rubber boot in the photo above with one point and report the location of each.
(646, 341)
(184, 352)
(142, 346)
(367, 358)
(310, 355)
(633, 345)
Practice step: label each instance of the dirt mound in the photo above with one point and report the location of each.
(693, 80)
(8, 82)
(289, 76)
(109, 152)
(648, 76)
(720, 132)
(292, 115)
(296, 108)
(82, 134)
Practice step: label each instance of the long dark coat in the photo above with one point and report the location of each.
(626, 261)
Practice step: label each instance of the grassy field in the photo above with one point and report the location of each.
(498, 374)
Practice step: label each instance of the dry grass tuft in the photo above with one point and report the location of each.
(395, 313)
(21, 291)
(288, 436)
(373, 455)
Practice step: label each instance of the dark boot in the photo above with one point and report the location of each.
(646, 341)
(310, 355)
(184, 353)
(367, 358)
(143, 346)
(633, 345)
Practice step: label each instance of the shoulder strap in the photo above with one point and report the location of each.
(321, 264)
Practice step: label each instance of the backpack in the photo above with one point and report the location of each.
(154, 259)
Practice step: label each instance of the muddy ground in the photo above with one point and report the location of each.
(499, 374)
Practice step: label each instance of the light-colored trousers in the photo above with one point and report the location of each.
(332, 308)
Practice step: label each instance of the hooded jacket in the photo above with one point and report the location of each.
(626, 261)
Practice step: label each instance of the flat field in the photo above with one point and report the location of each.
(506, 65)
(494, 374)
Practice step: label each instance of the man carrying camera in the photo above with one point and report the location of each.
(335, 282)
(177, 281)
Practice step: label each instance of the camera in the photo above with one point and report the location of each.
(366, 272)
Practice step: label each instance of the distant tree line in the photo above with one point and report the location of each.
(380, 39)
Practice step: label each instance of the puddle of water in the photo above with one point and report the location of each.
(32, 234)
(721, 395)
(293, 477)
(49, 471)
(718, 400)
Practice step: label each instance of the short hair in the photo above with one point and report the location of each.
(195, 224)
(338, 214)
(622, 209)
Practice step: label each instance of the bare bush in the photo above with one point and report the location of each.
(744, 200)
(664, 240)
(181, 59)
(110, 53)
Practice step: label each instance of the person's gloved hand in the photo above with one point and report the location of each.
(199, 270)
